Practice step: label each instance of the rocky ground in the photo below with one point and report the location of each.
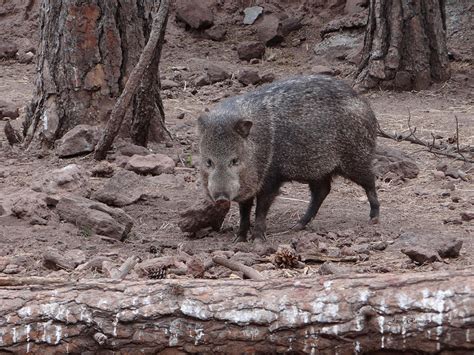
(62, 215)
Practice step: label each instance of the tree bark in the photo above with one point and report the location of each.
(405, 45)
(118, 112)
(86, 54)
(417, 312)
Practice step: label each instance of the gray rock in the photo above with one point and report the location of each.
(129, 149)
(25, 57)
(267, 78)
(216, 33)
(153, 164)
(467, 216)
(251, 14)
(339, 45)
(289, 25)
(8, 50)
(9, 110)
(269, 30)
(216, 73)
(167, 84)
(194, 13)
(354, 6)
(422, 255)
(79, 140)
(250, 49)
(322, 69)
(393, 162)
(71, 178)
(202, 80)
(248, 76)
(450, 248)
(124, 188)
(94, 217)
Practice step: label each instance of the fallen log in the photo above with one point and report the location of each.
(414, 312)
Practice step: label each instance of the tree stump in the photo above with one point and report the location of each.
(86, 53)
(405, 45)
(410, 313)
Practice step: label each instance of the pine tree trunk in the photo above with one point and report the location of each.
(413, 313)
(405, 45)
(86, 53)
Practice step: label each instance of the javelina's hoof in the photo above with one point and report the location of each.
(240, 238)
(258, 236)
(298, 227)
(374, 220)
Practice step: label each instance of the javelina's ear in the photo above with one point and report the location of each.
(242, 127)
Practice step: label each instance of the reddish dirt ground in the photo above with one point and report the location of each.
(420, 211)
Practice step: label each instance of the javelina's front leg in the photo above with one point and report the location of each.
(264, 200)
(245, 208)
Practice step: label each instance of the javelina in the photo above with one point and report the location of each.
(306, 129)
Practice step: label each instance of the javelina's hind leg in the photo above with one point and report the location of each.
(366, 179)
(319, 191)
(265, 199)
(245, 208)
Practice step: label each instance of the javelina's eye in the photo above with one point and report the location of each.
(209, 163)
(235, 162)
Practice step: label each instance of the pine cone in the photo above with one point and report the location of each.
(156, 273)
(285, 257)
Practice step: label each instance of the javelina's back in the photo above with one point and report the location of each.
(306, 128)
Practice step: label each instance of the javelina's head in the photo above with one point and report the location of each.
(226, 154)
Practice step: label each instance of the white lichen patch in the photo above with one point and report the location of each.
(246, 316)
(195, 309)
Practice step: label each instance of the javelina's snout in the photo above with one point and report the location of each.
(221, 197)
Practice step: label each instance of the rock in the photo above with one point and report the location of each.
(248, 76)
(250, 49)
(267, 78)
(354, 6)
(289, 25)
(129, 149)
(103, 169)
(202, 80)
(349, 22)
(422, 255)
(167, 84)
(269, 30)
(216, 73)
(8, 50)
(339, 45)
(322, 69)
(195, 267)
(251, 14)
(30, 206)
(329, 268)
(216, 33)
(69, 260)
(389, 160)
(79, 140)
(194, 13)
(450, 248)
(71, 178)
(153, 164)
(8, 110)
(25, 57)
(94, 217)
(124, 188)
(467, 216)
(203, 214)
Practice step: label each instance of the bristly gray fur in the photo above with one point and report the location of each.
(305, 128)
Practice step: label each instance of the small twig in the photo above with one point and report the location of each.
(125, 268)
(249, 272)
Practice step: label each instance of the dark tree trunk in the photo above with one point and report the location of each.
(405, 45)
(86, 53)
(412, 313)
